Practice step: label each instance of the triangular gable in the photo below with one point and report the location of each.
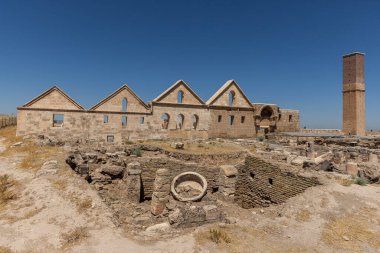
(113, 101)
(54, 98)
(170, 95)
(220, 98)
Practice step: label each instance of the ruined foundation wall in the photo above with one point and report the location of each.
(260, 184)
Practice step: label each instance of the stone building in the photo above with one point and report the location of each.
(353, 94)
(177, 113)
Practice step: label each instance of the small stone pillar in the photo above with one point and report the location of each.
(227, 180)
(134, 182)
(161, 191)
(352, 168)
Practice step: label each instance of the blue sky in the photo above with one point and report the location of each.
(283, 52)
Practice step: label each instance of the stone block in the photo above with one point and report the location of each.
(212, 212)
(352, 168)
(228, 170)
(112, 170)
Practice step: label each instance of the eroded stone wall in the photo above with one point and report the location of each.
(260, 184)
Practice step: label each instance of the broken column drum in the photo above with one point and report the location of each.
(134, 182)
(161, 191)
(189, 186)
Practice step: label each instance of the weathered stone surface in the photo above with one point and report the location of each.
(191, 215)
(161, 191)
(177, 145)
(228, 170)
(134, 168)
(227, 180)
(158, 228)
(134, 188)
(212, 212)
(49, 168)
(299, 160)
(112, 170)
(352, 168)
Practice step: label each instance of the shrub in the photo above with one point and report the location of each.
(6, 194)
(218, 236)
(361, 181)
(260, 138)
(136, 152)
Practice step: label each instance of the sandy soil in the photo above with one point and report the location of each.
(51, 204)
(37, 219)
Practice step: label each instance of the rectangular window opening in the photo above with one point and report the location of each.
(230, 120)
(105, 119)
(242, 119)
(58, 120)
(124, 120)
(220, 118)
(110, 138)
(142, 120)
(290, 118)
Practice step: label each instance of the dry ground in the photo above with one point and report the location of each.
(60, 212)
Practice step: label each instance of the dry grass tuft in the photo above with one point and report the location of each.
(353, 232)
(303, 216)
(219, 236)
(9, 133)
(33, 155)
(345, 182)
(29, 214)
(60, 184)
(36, 155)
(74, 236)
(82, 204)
(6, 190)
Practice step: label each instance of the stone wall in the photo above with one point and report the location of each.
(242, 124)
(103, 122)
(260, 184)
(289, 121)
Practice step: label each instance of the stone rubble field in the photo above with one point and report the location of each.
(61, 197)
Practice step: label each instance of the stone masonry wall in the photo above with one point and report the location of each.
(242, 125)
(289, 121)
(260, 184)
(103, 122)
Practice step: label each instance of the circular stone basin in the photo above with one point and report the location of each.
(189, 186)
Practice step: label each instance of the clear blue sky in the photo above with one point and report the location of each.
(283, 52)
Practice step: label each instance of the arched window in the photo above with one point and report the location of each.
(231, 98)
(179, 97)
(194, 121)
(165, 120)
(266, 112)
(124, 104)
(179, 120)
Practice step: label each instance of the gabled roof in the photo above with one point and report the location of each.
(173, 87)
(222, 89)
(124, 87)
(47, 92)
